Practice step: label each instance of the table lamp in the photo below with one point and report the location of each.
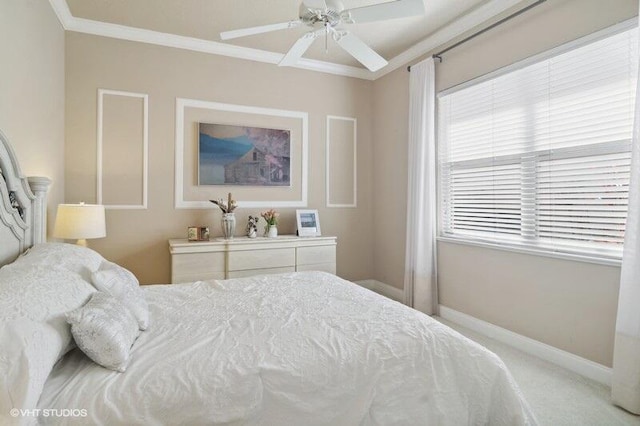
(80, 222)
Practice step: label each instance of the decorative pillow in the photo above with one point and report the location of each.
(123, 285)
(33, 332)
(104, 330)
(72, 257)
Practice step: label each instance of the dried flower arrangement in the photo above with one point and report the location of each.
(226, 206)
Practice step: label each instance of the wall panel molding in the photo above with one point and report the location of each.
(100, 148)
(354, 203)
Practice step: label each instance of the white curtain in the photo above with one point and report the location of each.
(420, 289)
(625, 386)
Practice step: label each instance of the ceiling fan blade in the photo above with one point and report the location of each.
(383, 11)
(299, 48)
(228, 35)
(363, 53)
(315, 4)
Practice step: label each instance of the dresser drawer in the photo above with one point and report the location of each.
(261, 259)
(252, 272)
(197, 266)
(316, 255)
(243, 257)
(192, 276)
(324, 267)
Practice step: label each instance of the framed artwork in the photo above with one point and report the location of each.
(308, 223)
(241, 155)
(277, 178)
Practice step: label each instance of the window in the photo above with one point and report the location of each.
(538, 156)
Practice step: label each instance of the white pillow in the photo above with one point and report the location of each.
(72, 257)
(29, 350)
(123, 285)
(104, 330)
(33, 332)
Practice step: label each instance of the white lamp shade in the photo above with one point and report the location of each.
(80, 221)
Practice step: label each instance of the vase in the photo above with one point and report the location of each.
(228, 225)
(273, 231)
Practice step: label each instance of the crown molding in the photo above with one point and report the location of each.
(61, 9)
(122, 32)
(455, 29)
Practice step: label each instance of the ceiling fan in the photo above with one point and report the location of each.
(326, 17)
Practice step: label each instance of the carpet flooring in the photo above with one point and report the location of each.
(558, 397)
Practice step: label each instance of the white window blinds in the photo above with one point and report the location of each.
(540, 156)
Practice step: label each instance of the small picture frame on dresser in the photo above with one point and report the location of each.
(198, 233)
(308, 223)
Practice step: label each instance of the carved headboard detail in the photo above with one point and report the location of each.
(23, 206)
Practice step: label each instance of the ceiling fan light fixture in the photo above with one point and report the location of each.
(313, 18)
(338, 34)
(325, 15)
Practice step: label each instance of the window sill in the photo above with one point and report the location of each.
(587, 258)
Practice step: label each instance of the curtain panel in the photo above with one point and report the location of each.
(625, 384)
(420, 288)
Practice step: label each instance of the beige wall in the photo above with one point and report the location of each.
(390, 159)
(137, 239)
(570, 305)
(32, 90)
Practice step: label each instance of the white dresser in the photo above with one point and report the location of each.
(242, 257)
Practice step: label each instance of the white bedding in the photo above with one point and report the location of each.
(290, 349)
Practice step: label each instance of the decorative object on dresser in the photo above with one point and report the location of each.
(271, 228)
(228, 217)
(252, 226)
(244, 257)
(308, 223)
(198, 233)
(80, 222)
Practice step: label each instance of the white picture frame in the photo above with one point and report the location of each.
(308, 223)
(184, 104)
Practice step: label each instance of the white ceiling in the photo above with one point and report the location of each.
(198, 23)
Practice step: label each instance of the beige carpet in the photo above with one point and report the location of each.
(557, 396)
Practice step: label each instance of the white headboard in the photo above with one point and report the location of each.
(23, 206)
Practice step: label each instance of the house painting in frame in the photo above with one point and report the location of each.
(241, 155)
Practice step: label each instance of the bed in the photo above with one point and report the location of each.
(290, 349)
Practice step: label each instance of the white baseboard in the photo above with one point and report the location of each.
(387, 290)
(571, 362)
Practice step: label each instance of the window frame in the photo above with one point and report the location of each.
(610, 257)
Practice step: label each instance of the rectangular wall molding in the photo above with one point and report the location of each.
(332, 146)
(182, 104)
(111, 179)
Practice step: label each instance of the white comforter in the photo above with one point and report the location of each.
(291, 349)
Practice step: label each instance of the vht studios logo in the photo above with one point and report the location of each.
(49, 412)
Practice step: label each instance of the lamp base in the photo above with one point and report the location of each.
(82, 242)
